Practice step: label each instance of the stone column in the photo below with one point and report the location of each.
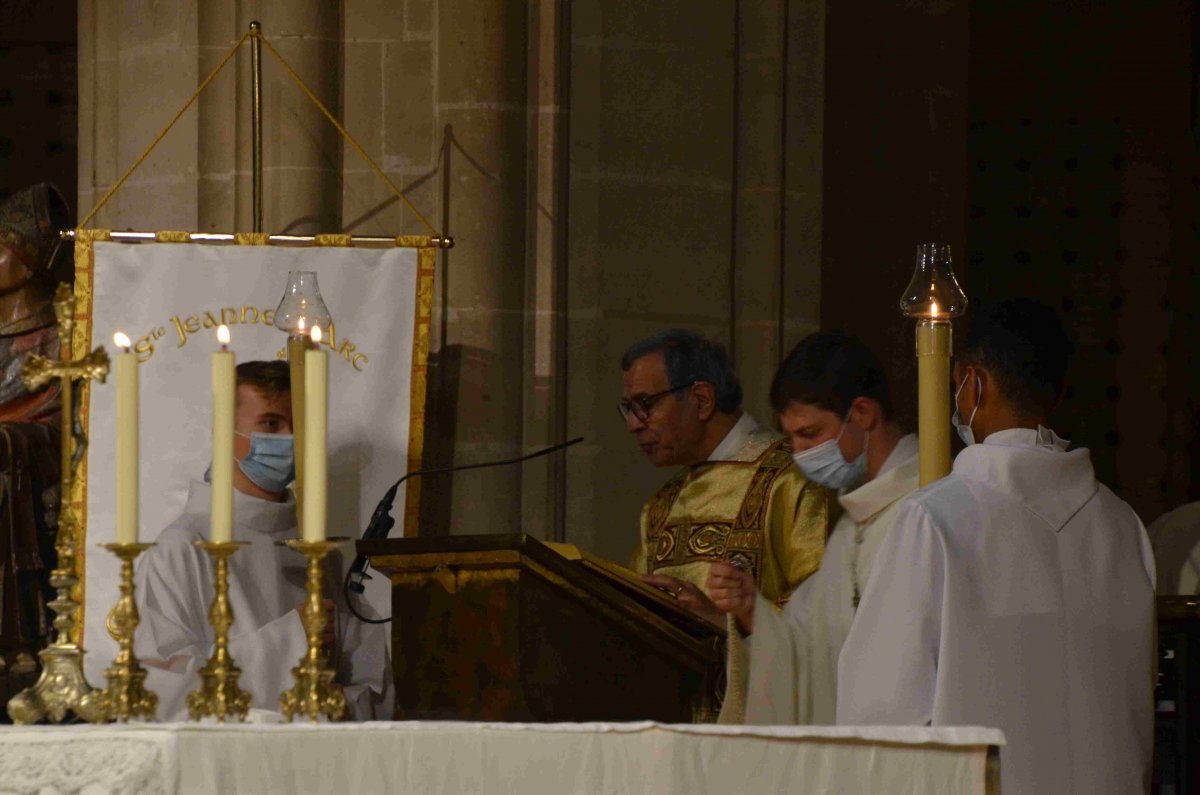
(140, 61)
(776, 273)
(652, 163)
(137, 66)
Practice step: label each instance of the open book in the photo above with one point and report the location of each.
(630, 582)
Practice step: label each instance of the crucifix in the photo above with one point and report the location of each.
(62, 687)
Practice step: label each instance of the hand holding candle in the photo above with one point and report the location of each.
(224, 394)
(316, 391)
(126, 365)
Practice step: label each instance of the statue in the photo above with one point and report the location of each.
(33, 261)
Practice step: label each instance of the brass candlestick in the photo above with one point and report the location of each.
(61, 688)
(315, 693)
(126, 695)
(219, 694)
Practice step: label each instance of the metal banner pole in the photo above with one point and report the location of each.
(257, 143)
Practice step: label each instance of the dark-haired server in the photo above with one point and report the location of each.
(1017, 592)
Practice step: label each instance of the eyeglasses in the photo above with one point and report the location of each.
(642, 405)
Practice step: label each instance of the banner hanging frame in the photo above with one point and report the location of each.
(82, 340)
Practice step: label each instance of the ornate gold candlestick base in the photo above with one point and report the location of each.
(61, 687)
(315, 693)
(219, 694)
(126, 695)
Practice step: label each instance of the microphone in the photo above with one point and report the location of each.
(381, 519)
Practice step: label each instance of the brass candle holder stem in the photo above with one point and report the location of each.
(62, 688)
(219, 695)
(315, 693)
(126, 695)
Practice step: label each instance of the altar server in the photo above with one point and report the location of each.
(834, 404)
(266, 580)
(1176, 539)
(1017, 592)
(736, 497)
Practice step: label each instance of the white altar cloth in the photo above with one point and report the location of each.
(437, 757)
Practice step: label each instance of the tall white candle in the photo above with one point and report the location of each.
(316, 422)
(224, 393)
(127, 441)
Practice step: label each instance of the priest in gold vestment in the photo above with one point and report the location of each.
(738, 496)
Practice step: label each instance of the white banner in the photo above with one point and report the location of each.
(169, 298)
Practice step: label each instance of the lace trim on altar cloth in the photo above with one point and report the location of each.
(116, 766)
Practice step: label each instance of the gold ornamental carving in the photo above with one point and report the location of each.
(126, 695)
(314, 693)
(219, 695)
(62, 689)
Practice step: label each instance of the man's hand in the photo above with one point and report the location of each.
(733, 592)
(688, 595)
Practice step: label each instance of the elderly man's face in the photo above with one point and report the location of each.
(672, 430)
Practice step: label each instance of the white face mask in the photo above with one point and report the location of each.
(825, 464)
(964, 431)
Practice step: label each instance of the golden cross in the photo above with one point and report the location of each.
(62, 688)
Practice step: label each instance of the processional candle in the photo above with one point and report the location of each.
(224, 395)
(127, 441)
(316, 423)
(933, 298)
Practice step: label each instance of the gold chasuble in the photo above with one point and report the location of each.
(753, 508)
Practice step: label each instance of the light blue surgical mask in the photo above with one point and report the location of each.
(826, 465)
(964, 431)
(271, 462)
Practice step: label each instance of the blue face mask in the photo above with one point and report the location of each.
(826, 465)
(964, 431)
(271, 462)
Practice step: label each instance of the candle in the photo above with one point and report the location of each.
(933, 390)
(297, 344)
(224, 395)
(127, 441)
(316, 392)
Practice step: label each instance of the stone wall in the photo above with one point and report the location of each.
(695, 173)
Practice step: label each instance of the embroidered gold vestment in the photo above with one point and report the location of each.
(757, 510)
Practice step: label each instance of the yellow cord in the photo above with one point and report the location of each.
(166, 129)
(349, 137)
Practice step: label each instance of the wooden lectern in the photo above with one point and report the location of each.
(505, 628)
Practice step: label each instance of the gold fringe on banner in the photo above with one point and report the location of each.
(426, 266)
(80, 344)
(332, 240)
(252, 238)
(414, 241)
(171, 236)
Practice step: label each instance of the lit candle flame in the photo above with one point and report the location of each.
(316, 335)
(121, 340)
(934, 311)
(223, 335)
(300, 325)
